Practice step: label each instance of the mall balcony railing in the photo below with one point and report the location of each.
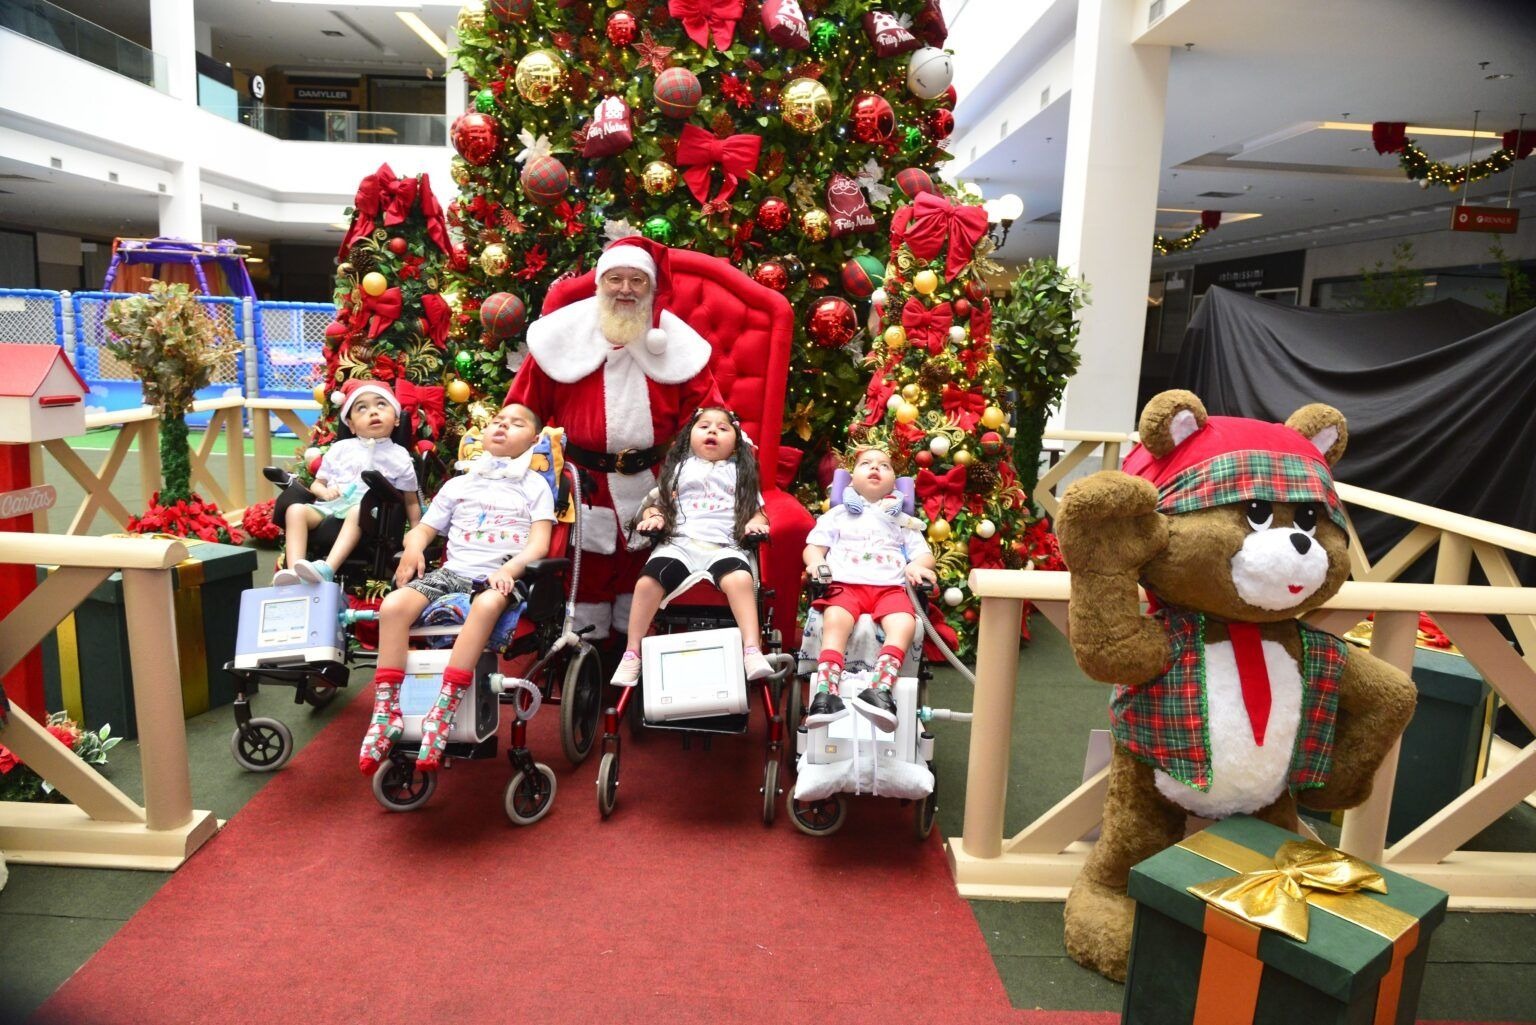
(1042, 860)
(54, 26)
(381, 127)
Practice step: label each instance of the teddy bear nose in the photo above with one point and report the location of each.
(1301, 542)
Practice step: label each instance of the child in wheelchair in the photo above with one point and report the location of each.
(498, 518)
(371, 411)
(864, 550)
(707, 501)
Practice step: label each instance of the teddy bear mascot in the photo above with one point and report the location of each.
(1224, 701)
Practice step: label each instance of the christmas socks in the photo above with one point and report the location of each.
(437, 722)
(386, 725)
(829, 671)
(888, 666)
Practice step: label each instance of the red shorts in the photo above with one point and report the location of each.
(877, 600)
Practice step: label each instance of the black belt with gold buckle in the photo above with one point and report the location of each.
(627, 461)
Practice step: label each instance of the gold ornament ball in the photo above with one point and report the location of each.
(471, 19)
(659, 178)
(458, 170)
(895, 337)
(938, 530)
(963, 457)
(816, 223)
(910, 392)
(806, 104)
(494, 259)
(906, 413)
(458, 390)
(992, 417)
(925, 281)
(539, 77)
(375, 283)
(319, 393)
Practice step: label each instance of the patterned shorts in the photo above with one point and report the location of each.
(440, 582)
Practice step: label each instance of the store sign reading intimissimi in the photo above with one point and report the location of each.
(312, 93)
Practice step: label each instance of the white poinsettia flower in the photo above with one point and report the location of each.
(533, 146)
(615, 230)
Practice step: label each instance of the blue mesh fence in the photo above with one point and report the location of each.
(290, 341)
(34, 316)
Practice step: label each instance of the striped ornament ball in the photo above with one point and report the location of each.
(678, 92)
(862, 275)
(502, 315)
(913, 181)
(545, 180)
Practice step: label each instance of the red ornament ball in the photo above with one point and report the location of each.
(314, 465)
(991, 443)
(773, 274)
(502, 315)
(477, 137)
(509, 10)
(773, 215)
(833, 322)
(425, 446)
(398, 245)
(940, 124)
(970, 615)
(622, 28)
(335, 331)
(545, 180)
(975, 290)
(459, 259)
(923, 459)
(873, 119)
(948, 98)
(962, 308)
(913, 181)
(678, 93)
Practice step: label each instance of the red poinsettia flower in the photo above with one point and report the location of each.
(386, 368)
(736, 91)
(534, 262)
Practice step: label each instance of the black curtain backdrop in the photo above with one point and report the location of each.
(1440, 399)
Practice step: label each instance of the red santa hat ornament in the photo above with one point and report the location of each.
(351, 390)
(655, 261)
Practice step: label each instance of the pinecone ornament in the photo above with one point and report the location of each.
(981, 478)
(364, 259)
(932, 377)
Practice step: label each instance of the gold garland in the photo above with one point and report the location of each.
(1163, 246)
(1420, 168)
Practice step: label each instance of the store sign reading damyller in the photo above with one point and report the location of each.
(312, 93)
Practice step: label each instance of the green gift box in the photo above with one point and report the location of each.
(85, 660)
(1362, 962)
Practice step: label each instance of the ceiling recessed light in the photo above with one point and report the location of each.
(333, 33)
(1358, 149)
(1499, 77)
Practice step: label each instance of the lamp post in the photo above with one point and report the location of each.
(1002, 212)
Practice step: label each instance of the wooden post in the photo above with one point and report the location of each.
(234, 455)
(1365, 827)
(986, 786)
(149, 457)
(157, 698)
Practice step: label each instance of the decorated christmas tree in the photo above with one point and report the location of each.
(938, 401)
(393, 318)
(772, 134)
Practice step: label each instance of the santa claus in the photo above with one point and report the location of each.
(622, 375)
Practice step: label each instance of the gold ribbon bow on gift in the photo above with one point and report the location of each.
(1276, 898)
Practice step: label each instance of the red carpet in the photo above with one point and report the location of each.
(312, 906)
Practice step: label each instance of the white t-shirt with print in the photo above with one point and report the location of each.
(487, 521)
(706, 500)
(345, 461)
(868, 548)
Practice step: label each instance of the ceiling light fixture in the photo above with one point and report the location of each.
(415, 24)
(1498, 77)
(1457, 133)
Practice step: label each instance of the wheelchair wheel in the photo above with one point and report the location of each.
(265, 745)
(399, 787)
(320, 694)
(818, 818)
(770, 790)
(607, 783)
(581, 705)
(927, 808)
(530, 795)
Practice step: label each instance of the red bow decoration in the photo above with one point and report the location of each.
(981, 321)
(572, 215)
(880, 389)
(704, 20)
(420, 401)
(1520, 143)
(439, 317)
(925, 327)
(1210, 220)
(437, 230)
(698, 152)
(382, 310)
(941, 495)
(1389, 136)
(963, 407)
(986, 552)
(935, 221)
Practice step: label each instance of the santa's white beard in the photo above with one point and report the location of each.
(623, 323)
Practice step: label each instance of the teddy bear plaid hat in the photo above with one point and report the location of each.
(1232, 459)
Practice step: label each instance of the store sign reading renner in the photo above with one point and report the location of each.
(312, 93)
(1484, 218)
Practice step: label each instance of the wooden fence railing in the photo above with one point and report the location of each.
(102, 827)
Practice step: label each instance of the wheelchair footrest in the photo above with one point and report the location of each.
(729, 724)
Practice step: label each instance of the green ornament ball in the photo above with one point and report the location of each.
(463, 360)
(485, 101)
(913, 140)
(824, 36)
(658, 229)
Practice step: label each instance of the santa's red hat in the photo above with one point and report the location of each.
(655, 261)
(351, 390)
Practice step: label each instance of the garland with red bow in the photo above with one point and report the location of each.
(1392, 137)
(1210, 220)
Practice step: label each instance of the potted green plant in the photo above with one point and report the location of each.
(172, 344)
(1035, 332)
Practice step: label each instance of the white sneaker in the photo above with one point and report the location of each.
(284, 577)
(316, 571)
(756, 665)
(628, 673)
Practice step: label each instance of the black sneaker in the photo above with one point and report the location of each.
(878, 705)
(825, 707)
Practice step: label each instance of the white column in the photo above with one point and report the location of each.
(181, 208)
(457, 86)
(1109, 204)
(173, 34)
